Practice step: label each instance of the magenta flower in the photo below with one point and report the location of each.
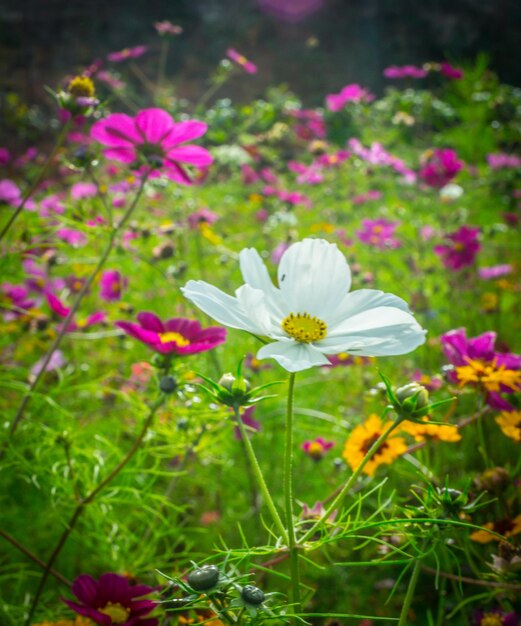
(333, 160)
(350, 93)
(379, 233)
(495, 271)
(111, 285)
(377, 155)
(112, 600)
(18, 297)
(72, 236)
(450, 71)
(343, 359)
(10, 192)
(500, 160)
(127, 53)
(440, 168)
(461, 249)
(167, 28)
(83, 190)
(459, 349)
(5, 157)
(176, 336)
(404, 71)
(241, 60)
(201, 216)
(317, 448)
(61, 310)
(155, 138)
(495, 617)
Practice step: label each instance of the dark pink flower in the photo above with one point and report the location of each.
(495, 271)
(343, 359)
(59, 308)
(378, 233)
(10, 192)
(5, 156)
(111, 285)
(154, 137)
(317, 448)
(500, 160)
(241, 60)
(52, 204)
(112, 600)
(440, 167)
(350, 93)
(127, 53)
(495, 616)
(333, 160)
(368, 196)
(459, 349)
(18, 297)
(404, 71)
(175, 336)
(71, 236)
(450, 71)
(167, 28)
(83, 190)
(461, 249)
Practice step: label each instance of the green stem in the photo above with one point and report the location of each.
(83, 291)
(259, 476)
(38, 179)
(288, 498)
(350, 481)
(69, 527)
(410, 592)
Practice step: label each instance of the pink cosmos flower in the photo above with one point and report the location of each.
(57, 360)
(110, 79)
(127, 53)
(10, 192)
(52, 204)
(18, 297)
(333, 160)
(5, 156)
(450, 71)
(71, 236)
(440, 168)
(111, 285)
(461, 249)
(241, 60)
(155, 137)
(167, 28)
(500, 160)
(112, 600)
(317, 448)
(495, 271)
(350, 93)
(377, 155)
(379, 233)
(343, 359)
(404, 71)
(307, 174)
(83, 190)
(61, 310)
(368, 196)
(201, 216)
(277, 253)
(175, 336)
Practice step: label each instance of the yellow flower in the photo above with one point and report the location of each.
(489, 375)
(445, 432)
(209, 234)
(324, 227)
(81, 86)
(363, 437)
(510, 424)
(505, 527)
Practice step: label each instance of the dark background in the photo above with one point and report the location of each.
(42, 40)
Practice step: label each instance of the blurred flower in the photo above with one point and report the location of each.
(112, 600)
(379, 233)
(83, 190)
(127, 53)
(376, 155)
(495, 271)
(368, 196)
(78, 99)
(242, 61)
(290, 10)
(450, 71)
(501, 160)
(111, 285)
(404, 71)
(249, 421)
(419, 431)
(450, 193)
(167, 28)
(431, 383)
(154, 136)
(506, 527)
(175, 336)
(5, 157)
(510, 424)
(495, 617)
(10, 192)
(61, 310)
(57, 360)
(71, 236)
(461, 249)
(201, 216)
(316, 512)
(311, 314)
(18, 297)
(317, 448)
(343, 359)
(108, 78)
(350, 93)
(78, 621)
(440, 167)
(362, 439)
(253, 364)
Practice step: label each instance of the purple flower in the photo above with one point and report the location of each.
(201, 216)
(350, 93)
(440, 168)
(461, 249)
(495, 271)
(155, 137)
(167, 28)
(459, 349)
(111, 285)
(83, 190)
(495, 617)
(317, 448)
(450, 71)
(404, 71)
(127, 53)
(500, 160)
(112, 600)
(379, 233)
(19, 300)
(175, 336)
(5, 156)
(9, 192)
(57, 360)
(241, 60)
(71, 236)
(248, 420)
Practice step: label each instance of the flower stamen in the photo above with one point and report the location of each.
(116, 611)
(177, 337)
(304, 328)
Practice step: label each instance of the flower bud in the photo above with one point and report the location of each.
(203, 578)
(168, 384)
(252, 595)
(412, 400)
(233, 391)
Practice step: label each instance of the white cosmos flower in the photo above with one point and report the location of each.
(310, 314)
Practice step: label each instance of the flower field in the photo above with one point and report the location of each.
(260, 361)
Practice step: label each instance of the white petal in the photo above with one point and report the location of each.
(219, 305)
(255, 305)
(256, 275)
(313, 277)
(292, 355)
(363, 300)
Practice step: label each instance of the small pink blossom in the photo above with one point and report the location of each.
(449, 71)
(167, 28)
(83, 190)
(127, 53)
(317, 448)
(440, 167)
(277, 253)
(500, 160)
(10, 192)
(350, 93)
(71, 236)
(495, 271)
(404, 71)
(368, 196)
(56, 361)
(154, 137)
(5, 157)
(201, 216)
(377, 155)
(52, 204)
(249, 421)
(461, 248)
(379, 233)
(111, 285)
(108, 78)
(61, 310)
(241, 60)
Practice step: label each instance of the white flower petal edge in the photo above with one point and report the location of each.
(292, 355)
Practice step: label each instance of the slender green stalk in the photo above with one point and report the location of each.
(38, 179)
(260, 477)
(288, 499)
(83, 291)
(350, 481)
(69, 527)
(410, 592)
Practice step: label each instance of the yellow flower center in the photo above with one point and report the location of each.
(492, 619)
(178, 338)
(378, 229)
(81, 86)
(315, 450)
(304, 328)
(116, 611)
(459, 247)
(242, 60)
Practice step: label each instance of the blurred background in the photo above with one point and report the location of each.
(313, 46)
